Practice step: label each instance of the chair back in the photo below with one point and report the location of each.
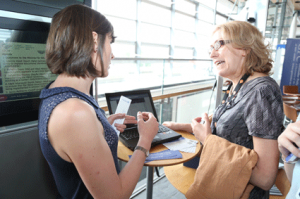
(290, 112)
(290, 89)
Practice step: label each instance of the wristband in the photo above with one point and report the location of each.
(142, 149)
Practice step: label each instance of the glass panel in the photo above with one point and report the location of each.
(124, 29)
(131, 75)
(185, 39)
(155, 51)
(122, 49)
(186, 71)
(194, 105)
(109, 7)
(167, 3)
(206, 14)
(183, 53)
(220, 19)
(204, 28)
(155, 34)
(210, 3)
(202, 47)
(185, 6)
(184, 22)
(225, 7)
(156, 15)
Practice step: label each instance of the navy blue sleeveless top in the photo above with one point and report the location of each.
(67, 179)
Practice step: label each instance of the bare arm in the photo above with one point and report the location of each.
(179, 126)
(77, 136)
(183, 126)
(265, 171)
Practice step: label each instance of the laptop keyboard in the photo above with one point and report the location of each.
(132, 133)
(162, 128)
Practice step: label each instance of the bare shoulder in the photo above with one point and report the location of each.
(72, 112)
(71, 124)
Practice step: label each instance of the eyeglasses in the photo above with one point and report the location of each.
(217, 45)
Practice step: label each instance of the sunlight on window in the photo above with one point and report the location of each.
(204, 28)
(184, 39)
(220, 19)
(184, 22)
(210, 3)
(167, 3)
(155, 34)
(183, 53)
(206, 14)
(185, 6)
(108, 7)
(123, 49)
(155, 51)
(155, 15)
(123, 29)
(153, 37)
(225, 7)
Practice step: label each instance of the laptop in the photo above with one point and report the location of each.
(141, 101)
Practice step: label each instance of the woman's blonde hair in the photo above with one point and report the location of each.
(243, 35)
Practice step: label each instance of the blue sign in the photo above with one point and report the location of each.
(291, 65)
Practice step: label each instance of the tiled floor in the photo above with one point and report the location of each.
(162, 189)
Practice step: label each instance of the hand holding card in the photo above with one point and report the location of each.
(122, 107)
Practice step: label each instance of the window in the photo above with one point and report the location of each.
(155, 34)
(155, 15)
(184, 22)
(185, 6)
(124, 29)
(108, 7)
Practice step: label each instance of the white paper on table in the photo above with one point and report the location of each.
(122, 107)
(182, 144)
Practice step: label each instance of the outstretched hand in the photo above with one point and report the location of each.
(128, 120)
(171, 125)
(201, 131)
(287, 138)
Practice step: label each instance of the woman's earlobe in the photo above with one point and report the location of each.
(245, 52)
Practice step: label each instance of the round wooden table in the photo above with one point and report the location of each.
(124, 152)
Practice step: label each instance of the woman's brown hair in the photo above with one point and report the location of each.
(243, 35)
(70, 41)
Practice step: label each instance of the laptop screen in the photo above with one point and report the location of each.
(141, 101)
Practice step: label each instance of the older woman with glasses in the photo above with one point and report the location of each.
(251, 112)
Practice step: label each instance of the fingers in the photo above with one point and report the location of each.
(288, 137)
(198, 119)
(130, 120)
(139, 116)
(194, 123)
(206, 119)
(118, 116)
(147, 116)
(120, 127)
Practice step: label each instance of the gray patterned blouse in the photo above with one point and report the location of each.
(256, 111)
